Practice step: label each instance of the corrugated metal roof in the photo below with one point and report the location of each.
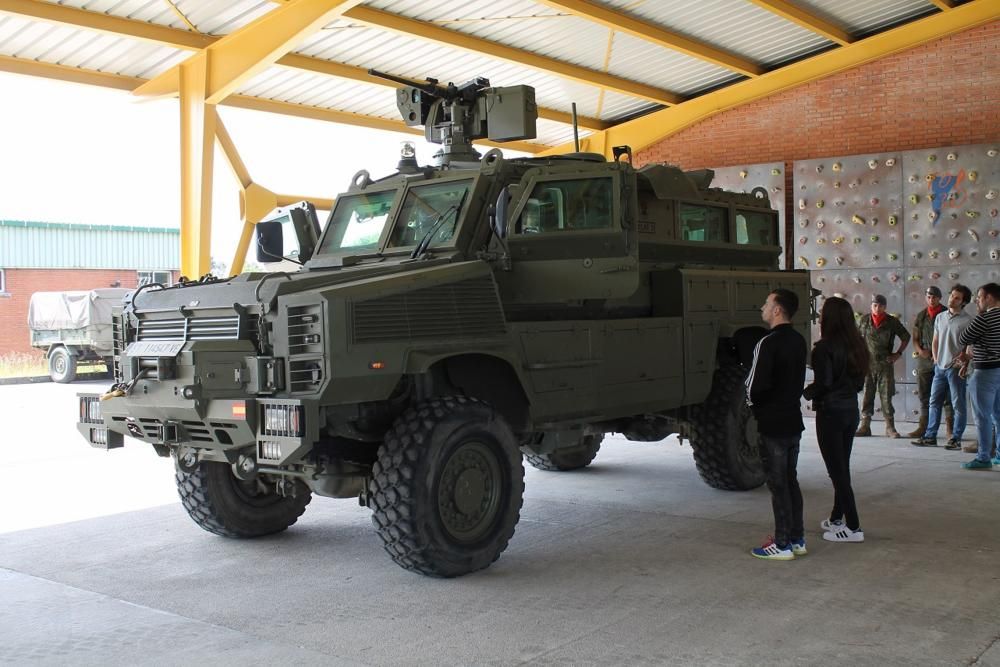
(210, 17)
(861, 17)
(735, 26)
(44, 245)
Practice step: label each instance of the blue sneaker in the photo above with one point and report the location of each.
(798, 547)
(771, 551)
(995, 461)
(976, 464)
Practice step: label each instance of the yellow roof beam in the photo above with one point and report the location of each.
(657, 126)
(66, 73)
(112, 25)
(122, 82)
(620, 22)
(943, 4)
(353, 73)
(805, 19)
(456, 39)
(183, 39)
(241, 55)
(358, 120)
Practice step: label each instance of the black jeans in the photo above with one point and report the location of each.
(835, 432)
(780, 455)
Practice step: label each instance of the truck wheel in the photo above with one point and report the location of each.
(568, 458)
(446, 489)
(724, 434)
(222, 504)
(62, 365)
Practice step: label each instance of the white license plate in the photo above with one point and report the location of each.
(154, 348)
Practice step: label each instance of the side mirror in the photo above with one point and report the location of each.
(270, 242)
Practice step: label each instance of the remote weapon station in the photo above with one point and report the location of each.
(446, 323)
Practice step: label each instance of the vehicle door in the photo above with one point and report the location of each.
(569, 255)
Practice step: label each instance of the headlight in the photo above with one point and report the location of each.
(283, 420)
(90, 410)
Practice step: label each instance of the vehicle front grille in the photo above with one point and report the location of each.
(470, 308)
(189, 328)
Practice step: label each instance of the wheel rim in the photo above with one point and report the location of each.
(470, 491)
(59, 363)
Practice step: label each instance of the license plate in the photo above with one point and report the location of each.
(154, 348)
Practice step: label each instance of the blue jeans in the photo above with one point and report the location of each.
(946, 381)
(985, 386)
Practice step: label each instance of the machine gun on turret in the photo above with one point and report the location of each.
(455, 116)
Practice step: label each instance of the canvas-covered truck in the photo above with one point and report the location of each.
(447, 322)
(73, 328)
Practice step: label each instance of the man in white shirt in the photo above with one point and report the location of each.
(945, 351)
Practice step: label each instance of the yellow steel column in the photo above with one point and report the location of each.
(255, 201)
(198, 122)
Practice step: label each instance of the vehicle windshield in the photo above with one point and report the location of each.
(358, 221)
(431, 212)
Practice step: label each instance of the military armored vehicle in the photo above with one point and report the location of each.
(446, 322)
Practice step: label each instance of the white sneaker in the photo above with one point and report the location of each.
(826, 524)
(844, 534)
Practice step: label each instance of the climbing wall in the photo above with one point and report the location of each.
(770, 176)
(893, 224)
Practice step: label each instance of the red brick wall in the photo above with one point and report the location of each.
(22, 283)
(943, 93)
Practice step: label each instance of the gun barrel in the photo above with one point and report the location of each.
(426, 86)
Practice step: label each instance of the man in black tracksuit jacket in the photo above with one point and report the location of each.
(774, 386)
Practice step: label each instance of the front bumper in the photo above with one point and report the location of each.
(281, 430)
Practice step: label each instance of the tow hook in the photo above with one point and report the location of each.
(245, 467)
(285, 488)
(187, 459)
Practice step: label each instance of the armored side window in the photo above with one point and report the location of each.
(703, 223)
(754, 228)
(579, 204)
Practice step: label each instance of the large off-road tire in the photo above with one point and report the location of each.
(568, 458)
(222, 504)
(724, 434)
(62, 365)
(446, 490)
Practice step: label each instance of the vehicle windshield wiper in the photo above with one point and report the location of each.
(425, 241)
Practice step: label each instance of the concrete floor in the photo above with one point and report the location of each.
(633, 561)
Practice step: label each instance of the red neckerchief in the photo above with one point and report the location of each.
(878, 319)
(933, 312)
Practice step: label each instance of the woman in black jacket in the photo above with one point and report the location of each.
(840, 363)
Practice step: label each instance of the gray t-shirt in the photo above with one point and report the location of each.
(948, 328)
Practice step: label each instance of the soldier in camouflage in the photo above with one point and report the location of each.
(923, 335)
(879, 329)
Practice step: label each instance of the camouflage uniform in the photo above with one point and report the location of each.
(881, 376)
(924, 326)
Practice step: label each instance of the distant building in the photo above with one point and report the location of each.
(50, 257)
